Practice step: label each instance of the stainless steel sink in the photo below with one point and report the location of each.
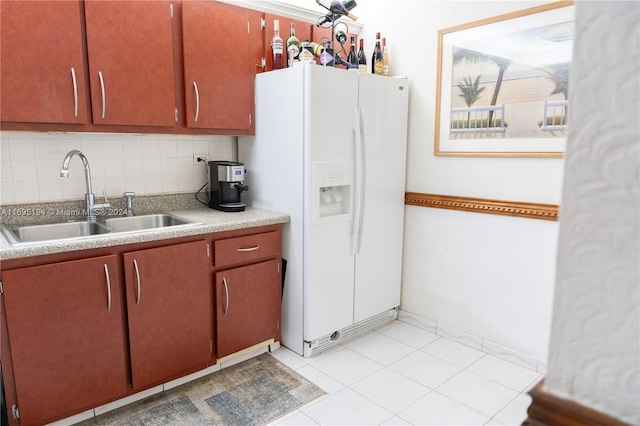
(83, 229)
(149, 221)
(53, 231)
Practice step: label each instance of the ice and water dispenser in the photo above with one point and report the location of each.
(332, 190)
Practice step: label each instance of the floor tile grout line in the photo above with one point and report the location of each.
(342, 346)
(462, 369)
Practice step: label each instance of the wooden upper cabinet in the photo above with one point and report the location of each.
(42, 75)
(303, 31)
(219, 68)
(130, 52)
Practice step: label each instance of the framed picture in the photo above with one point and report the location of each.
(503, 84)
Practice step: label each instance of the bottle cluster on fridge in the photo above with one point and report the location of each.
(286, 54)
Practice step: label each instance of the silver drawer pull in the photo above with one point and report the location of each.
(195, 88)
(75, 92)
(135, 264)
(104, 99)
(106, 273)
(226, 297)
(249, 249)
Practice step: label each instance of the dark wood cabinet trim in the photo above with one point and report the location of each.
(482, 205)
(547, 409)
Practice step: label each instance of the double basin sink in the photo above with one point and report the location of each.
(19, 234)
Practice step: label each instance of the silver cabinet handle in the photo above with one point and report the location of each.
(106, 273)
(135, 265)
(226, 297)
(102, 88)
(75, 92)
(249, 249)
(195, 88)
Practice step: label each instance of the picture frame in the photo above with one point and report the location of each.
(502, 84)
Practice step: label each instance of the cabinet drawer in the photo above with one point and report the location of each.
(247, 248)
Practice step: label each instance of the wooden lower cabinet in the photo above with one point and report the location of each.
(67, 337)
(169, 305)
(247, 306)
(85, 328)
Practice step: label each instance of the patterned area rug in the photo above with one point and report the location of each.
(254, 392)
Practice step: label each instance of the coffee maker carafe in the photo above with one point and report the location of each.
(226, 180)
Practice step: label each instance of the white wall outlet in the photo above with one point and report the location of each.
(205, 157)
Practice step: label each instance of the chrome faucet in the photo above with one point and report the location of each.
(128, 199)
(90, 199)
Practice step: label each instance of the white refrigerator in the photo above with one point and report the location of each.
(330, 151)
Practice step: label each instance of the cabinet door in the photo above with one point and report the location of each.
(218, 67)
(247, 306)
(169, 302)
(130, 53)
(42, 62)
(67, 338)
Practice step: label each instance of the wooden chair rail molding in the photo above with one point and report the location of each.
(481, 205)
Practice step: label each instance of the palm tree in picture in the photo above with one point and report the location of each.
(470, 91)
(473, 56)
(559, 75)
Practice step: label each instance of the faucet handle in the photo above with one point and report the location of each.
(104, 196)
(128, 197)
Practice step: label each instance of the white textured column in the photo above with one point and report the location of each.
(594, 349)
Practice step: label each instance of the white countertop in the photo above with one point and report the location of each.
(209, 221)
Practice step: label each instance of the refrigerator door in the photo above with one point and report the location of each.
(330, 97)
(383, 104)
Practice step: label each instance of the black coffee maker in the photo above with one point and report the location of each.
(226, 185)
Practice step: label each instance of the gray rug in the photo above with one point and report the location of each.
(254, 392)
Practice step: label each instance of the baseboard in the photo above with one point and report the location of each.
(477, 342)
(547, 409)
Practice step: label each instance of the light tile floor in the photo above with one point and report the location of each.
(404, 375)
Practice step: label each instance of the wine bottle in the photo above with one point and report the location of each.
(276, 46)
(385, 57)
(376, 58)
(293, 46)
(362, 58)
(352, 58)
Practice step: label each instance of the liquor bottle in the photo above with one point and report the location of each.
(306, 53)
(376, 58)
(385, 57)
(362, 58)
(276, 46)
(326, 57)
(293, 46)
(352, 58)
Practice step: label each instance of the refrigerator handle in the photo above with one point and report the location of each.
(356, 224)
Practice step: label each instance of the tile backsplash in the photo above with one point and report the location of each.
(147, 164)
